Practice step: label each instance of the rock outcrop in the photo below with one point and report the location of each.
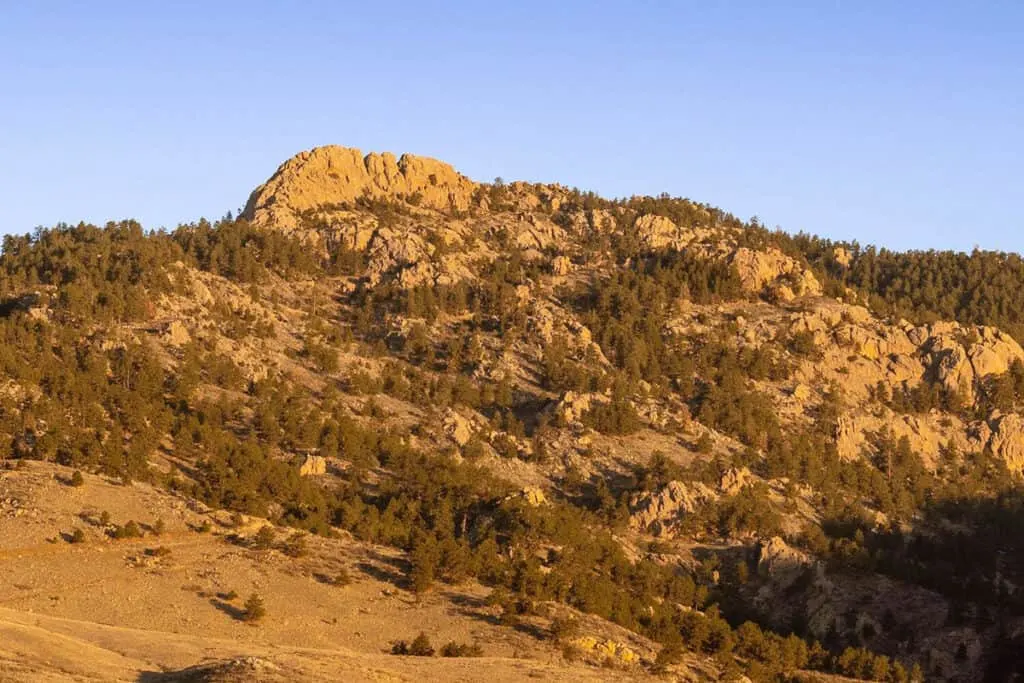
(657, 512)
(779, 561)
(1007, 440)
(325, 177)
(458, 428)
(313, 465)
(772, 272)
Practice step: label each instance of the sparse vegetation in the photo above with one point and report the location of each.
(424, 392)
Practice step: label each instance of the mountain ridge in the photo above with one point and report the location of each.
(726, 441)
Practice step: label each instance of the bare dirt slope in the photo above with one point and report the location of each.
(110, 609)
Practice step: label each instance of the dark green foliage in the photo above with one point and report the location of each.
(453, 649)
(128, 530)
(419, 647)
(564, 628)
(78, 536)
(77, 479)
(264, 538)
(241, 252)
(255, 610)
(616, 417)
(99, 273)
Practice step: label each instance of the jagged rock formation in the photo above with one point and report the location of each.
(313, 465)
(325, 177)
(657, 512)
(774, 273)
(1007, 440)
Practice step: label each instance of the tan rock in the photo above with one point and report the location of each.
(759, 270)
(561, 265)
(458, 428)
(656, 232)
(572, 406)
(333, 175)
(313, 465)
(657, 512)
(735, 480)
(534, 496)
(842, 256)
(780, 562)
(177, 334)
(1007, 440)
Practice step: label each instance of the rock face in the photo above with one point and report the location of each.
(177, 334)
(313, 465)
(657, 512)
(1007, 440)
(960, 356)
(773, 272)
(781, 562)
(458, 428)
(656, 232)
(332, 175)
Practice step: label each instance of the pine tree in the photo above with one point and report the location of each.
(255, 610)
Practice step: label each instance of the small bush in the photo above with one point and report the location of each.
(453, 649)
(78, 536)
(295, 546)
(77, 479)
(420, 647)
(564, 628)
(264, 538)
(129, 530)
(255, 610)
(159, 527)
(104, 518)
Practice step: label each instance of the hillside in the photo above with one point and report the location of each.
(595, 439)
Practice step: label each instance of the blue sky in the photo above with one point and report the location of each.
(892, 123)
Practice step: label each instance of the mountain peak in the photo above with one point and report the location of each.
(331, 175)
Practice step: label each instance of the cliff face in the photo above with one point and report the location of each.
(327, 176)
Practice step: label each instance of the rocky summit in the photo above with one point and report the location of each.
(326, 177)
(393, 423)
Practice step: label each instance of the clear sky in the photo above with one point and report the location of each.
(899, 123)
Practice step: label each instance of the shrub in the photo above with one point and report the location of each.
(343, 577)
(264, 538)
(159, 527)
(421, 646)
(453, 649)
(77, 479)
(255, 610)
(564, 628)
(129, 530)
(78, 536)
(295, 546)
